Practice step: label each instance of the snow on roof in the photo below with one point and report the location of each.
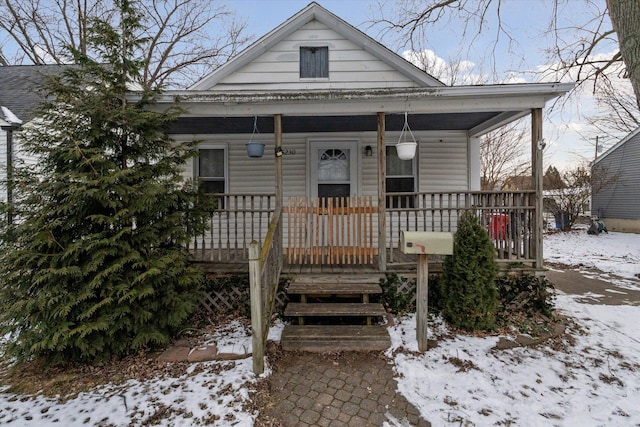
(8, 115)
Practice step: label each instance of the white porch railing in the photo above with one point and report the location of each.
(507, 216)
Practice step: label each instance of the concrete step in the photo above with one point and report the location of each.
(333, 309)
(320, 338)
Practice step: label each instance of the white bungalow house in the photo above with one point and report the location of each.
(330, 105)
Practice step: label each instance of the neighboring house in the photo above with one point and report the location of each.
(330, 104)
(517, 182)
(18, 101)
(618, 204)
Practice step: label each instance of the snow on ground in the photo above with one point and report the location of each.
(616, 255)
(210, 393)
(592, 381)
(464, 381)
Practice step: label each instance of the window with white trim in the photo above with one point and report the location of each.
(314, 62)
(211, 169)
(401, 178)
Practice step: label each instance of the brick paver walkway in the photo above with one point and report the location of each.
(345, 389)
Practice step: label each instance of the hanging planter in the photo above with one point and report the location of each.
(406, 150)
(406, 146)
(255, 149)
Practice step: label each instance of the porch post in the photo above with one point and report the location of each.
(382, 196)
(536, 178)
(277, 135)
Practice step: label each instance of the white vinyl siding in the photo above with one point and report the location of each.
(351, 67)
(441, 162)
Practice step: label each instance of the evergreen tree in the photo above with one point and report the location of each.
(96, 265)
(469, 294)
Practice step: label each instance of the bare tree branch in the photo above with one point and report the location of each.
(503, 155)
(187, 38)
(578, 40)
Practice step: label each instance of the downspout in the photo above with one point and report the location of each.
(9, 130)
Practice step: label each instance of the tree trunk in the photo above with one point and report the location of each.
(624, 17)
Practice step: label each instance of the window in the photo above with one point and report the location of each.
(334, 174)
(211, 169)
(314, 62)
(400, 179)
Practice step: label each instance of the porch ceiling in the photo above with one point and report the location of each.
(475, 109)
(360, 123)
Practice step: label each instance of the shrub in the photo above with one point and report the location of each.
(525, 294)
(469, 295)
(393, 299)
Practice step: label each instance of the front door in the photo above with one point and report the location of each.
(333, 225)
(333, 169)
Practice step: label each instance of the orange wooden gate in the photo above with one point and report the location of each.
(330, 230)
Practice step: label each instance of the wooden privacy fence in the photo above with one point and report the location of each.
(330, 230)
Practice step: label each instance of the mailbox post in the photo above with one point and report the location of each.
(424, 244)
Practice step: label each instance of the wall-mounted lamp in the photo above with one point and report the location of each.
(279, 152)
(368, 151)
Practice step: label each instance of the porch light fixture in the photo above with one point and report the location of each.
(368, 151)
(406, 146)
(278, 151)
(255, 149)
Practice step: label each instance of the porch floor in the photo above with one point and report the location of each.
(403, 264)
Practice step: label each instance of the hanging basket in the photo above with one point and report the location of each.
(406, 146)
(406, 150)
(255, 149)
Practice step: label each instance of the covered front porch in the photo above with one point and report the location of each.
(287, 208)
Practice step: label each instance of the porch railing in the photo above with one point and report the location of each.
(507, 216)
(237, 220)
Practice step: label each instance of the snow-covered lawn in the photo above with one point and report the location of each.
(615, 255)
(593, 382)
(592, 378)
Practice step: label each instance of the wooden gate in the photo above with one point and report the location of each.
(330, 230)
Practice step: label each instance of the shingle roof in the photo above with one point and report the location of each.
(17, 83)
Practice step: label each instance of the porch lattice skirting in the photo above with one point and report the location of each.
(330, 230)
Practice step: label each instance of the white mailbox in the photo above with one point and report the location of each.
(426, 242)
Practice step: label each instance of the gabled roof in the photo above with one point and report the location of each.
(618, 145)
(17, 87)
(316, 12)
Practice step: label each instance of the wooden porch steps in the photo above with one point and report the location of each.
(334, 309)
(335, 338)
(332, 312)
